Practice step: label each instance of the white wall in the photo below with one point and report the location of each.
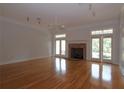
(82, 34)
(0, 10)
(23, 42)
(1, 41)
(122, 41)
(0, 35)
(79, 35)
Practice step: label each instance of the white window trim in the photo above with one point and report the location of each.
(102, 35)
(58, 36)
(102, 32)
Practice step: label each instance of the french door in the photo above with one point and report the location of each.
(96, 48)
(107, 49)
(60, 47)
(102, 48)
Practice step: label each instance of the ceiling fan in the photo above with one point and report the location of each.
(91, 8)
(38, 19)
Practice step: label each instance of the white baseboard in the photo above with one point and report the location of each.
(22, 60)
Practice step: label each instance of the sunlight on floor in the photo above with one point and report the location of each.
(102, 72)
(95, 71)
(60, 64)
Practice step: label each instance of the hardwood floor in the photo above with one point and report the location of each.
(60, 73)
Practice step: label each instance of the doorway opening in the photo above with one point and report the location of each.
(101, 49)
(60, 45)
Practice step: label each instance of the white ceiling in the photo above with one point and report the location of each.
(70, 14)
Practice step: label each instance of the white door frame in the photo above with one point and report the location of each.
(60, 55)
(101, 48)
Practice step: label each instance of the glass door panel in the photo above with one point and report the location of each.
(107, 48)
(63, 47)
(96, 48)
(57, 47)
(60, 47)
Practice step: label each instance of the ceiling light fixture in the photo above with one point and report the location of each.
(56, 25)
(28, 19)
(93, 13)
(39, 20)
(92, 10)
(90, 7)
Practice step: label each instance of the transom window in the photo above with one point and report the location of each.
(60, 36)
(100, 32)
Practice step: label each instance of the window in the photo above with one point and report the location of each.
(108, 31)
(60, 36)
(96, 32)
(100, 32)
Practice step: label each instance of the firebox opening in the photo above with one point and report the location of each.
(77, 53)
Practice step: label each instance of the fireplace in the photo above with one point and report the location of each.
(77, 51)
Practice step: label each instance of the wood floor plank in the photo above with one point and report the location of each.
(60, 73)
